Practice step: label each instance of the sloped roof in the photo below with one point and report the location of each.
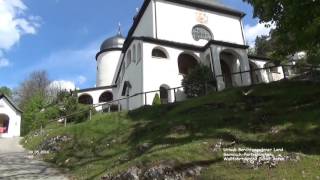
(10, 102)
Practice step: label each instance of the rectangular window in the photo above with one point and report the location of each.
(139, 53)
(129, 58)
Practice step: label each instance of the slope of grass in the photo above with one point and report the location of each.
(278, 115)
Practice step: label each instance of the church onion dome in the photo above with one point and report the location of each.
(115, 42)
(111, 44)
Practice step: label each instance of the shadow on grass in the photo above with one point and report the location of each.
(249, 115)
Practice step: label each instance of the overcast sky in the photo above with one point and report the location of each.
(63, 36)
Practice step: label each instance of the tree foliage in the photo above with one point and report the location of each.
(263, 46)
(68, 104)
(6, 91)
(297, 24)
(32, 117)
(199, 81)
(35, 85)
(42, 105)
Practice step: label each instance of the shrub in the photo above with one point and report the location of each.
(69, 106)
(81, 114)
(199, 81)
(156, 100)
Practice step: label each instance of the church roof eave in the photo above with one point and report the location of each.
(11, 102)
(107, 50)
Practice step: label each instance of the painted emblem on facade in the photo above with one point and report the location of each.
(201, 17)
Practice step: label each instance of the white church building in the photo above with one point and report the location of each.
(166, 40)
(10, 118)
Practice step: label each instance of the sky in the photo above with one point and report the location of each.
(63, 36)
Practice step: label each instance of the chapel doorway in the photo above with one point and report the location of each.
(4, 123)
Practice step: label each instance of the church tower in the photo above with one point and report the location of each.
(107, 59)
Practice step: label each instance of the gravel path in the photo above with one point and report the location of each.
(16, 163)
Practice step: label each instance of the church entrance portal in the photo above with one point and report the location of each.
(226, 74)
(185, 63)
(230, 68)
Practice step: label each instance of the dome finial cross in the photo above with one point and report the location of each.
(119, 29)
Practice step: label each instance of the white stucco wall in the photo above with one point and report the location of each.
(262, 74)
(106, 67)
(158, 71)
(175, 23)
(132, 74)
(14, 118)
(146, 26)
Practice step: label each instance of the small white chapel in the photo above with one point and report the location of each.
(10, 118)
(166, 40)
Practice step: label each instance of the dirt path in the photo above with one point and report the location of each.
(16, 163)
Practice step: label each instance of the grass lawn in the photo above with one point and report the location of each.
(278, 115)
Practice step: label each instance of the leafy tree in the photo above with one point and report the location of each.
(35, 85)
(156, 100)
(263, 46)
(199, 81)
(5, 90)
(32, 118)
(297, 24)
(68, 103)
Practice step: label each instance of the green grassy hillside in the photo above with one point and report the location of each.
(279, 115)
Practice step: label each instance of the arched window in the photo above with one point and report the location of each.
(139, 52)
(201, 32)
(128, 58)
(159, 53)
(85, 99)
(106, 97)
(134, 56)
(185, 63)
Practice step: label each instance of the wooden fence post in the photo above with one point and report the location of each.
(174, 95)
(284, 73)
(145, 99)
